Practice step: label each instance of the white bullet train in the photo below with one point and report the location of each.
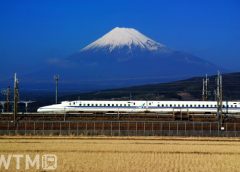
(141, 106)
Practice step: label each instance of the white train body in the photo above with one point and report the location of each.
(141, 106)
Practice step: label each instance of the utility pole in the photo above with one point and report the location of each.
(8, 99)
(215, 94)
(26, 104)
(56, 78)
(205, 89)
(130, 96)
(16, 98)
(219, 100)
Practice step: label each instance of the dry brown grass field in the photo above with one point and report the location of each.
(151, 154)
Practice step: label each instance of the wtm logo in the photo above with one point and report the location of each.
(43, 162)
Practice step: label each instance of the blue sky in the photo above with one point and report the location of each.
(32, 32)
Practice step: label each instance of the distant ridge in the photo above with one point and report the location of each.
(189, 89)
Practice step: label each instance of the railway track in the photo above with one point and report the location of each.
(117, 116)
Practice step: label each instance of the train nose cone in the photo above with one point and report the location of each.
(39, 110)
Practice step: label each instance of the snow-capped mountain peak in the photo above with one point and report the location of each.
(121, 37)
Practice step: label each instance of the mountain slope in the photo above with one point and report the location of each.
(123, 57)
(128, 57)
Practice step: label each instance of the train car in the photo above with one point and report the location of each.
(141, 106)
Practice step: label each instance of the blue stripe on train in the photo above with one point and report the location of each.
(154, 107)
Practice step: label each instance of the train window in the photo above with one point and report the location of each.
(100, 105)
(203, 105)
(133, 103)
(104, 105)
(149, 103)
(116, 104)
(88, 104)
(162, 105)
(186, 105)
(190, 105)
(120, 104)
(128, 104)
(206, 105)
(92, 104)
(125, 105)
(69, 104)
(80, 104)
(158, 105)
(83, 104)
(231, 105)
(170, 105)
(108, 104)
(235, 105)
(112, 104)
(96, 105)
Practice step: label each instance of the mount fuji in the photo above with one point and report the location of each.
(124, 37)
(125, 57)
